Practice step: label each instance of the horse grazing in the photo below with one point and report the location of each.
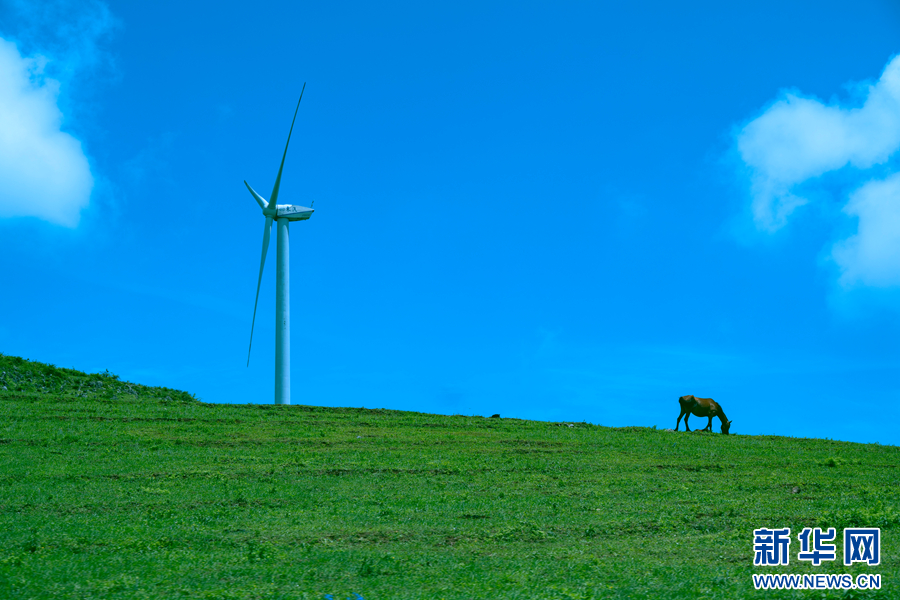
(702, 407)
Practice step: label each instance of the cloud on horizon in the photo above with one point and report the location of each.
(798, 139)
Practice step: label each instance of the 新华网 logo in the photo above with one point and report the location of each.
(771, 548)
(861, 544)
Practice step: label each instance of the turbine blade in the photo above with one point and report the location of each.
(259, 199)
(262, 263)
(274, 195)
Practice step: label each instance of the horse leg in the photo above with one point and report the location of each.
(679, 419)
(709, 425)
(686, 428)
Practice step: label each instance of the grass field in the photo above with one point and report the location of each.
(114, 490)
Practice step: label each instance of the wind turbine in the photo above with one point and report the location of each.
(283, 214)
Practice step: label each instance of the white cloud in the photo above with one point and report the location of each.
(872, 256)
(797, 139)
(44, 172)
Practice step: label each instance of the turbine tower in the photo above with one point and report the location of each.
(283, 214)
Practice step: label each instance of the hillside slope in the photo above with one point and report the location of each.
(116, 490)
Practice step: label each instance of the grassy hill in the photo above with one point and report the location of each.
(115, 490)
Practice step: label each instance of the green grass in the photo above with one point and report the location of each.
(113, 490)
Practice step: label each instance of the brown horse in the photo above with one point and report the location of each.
(702, 407)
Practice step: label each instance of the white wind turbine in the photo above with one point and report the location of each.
(283, 214)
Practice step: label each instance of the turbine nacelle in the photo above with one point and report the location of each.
(292, 212)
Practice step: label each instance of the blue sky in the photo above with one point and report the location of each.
(576, 212)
